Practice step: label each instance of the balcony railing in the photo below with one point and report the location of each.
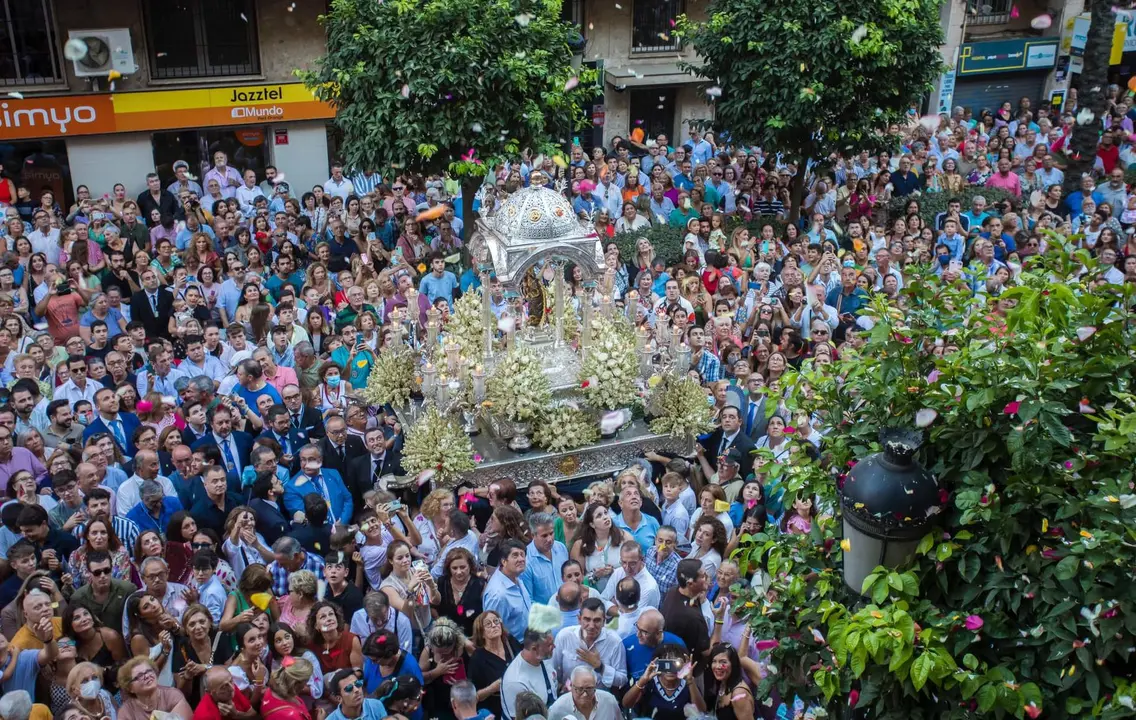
(988, 12)
(652, 25)
(28, 44)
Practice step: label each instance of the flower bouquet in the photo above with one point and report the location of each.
(566, 427)
(518, 389)
(610, 368)
(465, 327)
(438, 445)
(681, 408)
(392, 379)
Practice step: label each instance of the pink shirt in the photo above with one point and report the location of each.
(1011, 183)
(284, 376)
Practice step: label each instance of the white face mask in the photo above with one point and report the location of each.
(90, 689)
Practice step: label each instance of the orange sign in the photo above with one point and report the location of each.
(48, 117)
(65, 116)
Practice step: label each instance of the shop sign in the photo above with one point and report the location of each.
(1003, 56)
(72, 115)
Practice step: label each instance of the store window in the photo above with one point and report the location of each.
(202, 38)
(39, 165)
(27, 44)
(246, 148)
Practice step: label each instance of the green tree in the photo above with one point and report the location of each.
(1092, 84)
(420, 85)
(1020, 599)
(807, 79)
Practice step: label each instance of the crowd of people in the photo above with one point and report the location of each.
(199, 513)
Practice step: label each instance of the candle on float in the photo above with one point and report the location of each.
(453, 359)
(478, 376)
(429, 377)
(632, 305)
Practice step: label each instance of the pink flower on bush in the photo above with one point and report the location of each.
(1011, 408)
(763, 645)
(974, 623)
(853, 698)
(933, 377)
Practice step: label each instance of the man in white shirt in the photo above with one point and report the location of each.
(198, 362)
(631, 565)
(77, 387)
(592, 645)
(249, 192)
(584, 699)
(45, 239)
(531, 670)
(337, 185)
(145, 468)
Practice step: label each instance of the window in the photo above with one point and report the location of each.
(989, 12)
(653, 110)
(27, 44)
(201, 38)
(652, 25)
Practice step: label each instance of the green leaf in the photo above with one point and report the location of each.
(1067, 567)
(879, 593)
(987, 696)
(920, 670)
(926, 544)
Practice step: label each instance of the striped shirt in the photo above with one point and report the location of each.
(364, 184)
(126, 530)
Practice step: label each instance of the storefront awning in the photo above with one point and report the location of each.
(647, 75)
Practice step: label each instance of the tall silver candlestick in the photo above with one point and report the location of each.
(631, 303)
(487, 318)
(558, 304)
(586, 333)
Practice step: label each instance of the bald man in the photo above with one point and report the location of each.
(221, 700)
(640, 645)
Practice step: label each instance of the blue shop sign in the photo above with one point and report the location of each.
(1002, 56)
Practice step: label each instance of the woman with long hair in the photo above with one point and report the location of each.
(151, 625)
(411, 591)
(283, 643)
(461, 589)
(597, 545)
(200, 648)
(443, 663)
(333, 389)
(239, 606)
(433, 522)
(317, 328)
(247, 666)
(251, 296)
(708, 538)
(94, 642)
(506, 523)
(494, 651)
(727, 684)
(148, 544)
(99, 536)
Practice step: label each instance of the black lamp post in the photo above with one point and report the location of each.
(888, 501)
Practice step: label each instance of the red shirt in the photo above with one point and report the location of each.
(207, 708)
(1109, 157)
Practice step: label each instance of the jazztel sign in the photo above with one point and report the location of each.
(72, 115)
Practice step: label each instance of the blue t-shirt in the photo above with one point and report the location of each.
(112, 318)
(639, 656)
(435, 287)
(372, 710)
(373, 677)
(250, 396)
(24, 678)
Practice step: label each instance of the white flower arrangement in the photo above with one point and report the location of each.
(437, 445)
(610, 368)
(518, 389)
(566, 427)
(465, 327)
(392, 378)
(682, 408)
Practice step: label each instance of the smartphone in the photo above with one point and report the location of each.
(363, 257)
(394, 505)
(666, 665)
(419, 566)
(359, 338)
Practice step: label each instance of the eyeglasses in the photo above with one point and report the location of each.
(491, 622)
(100, 572)
(584, 690)
(78, 370)
(144, 675)
(201, 546)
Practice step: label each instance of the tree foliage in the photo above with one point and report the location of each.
(1092, 84)
(1020, 601)
(419, 84)
(807, 79)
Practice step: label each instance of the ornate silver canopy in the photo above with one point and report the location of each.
(536, 224)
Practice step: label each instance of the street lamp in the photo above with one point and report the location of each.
(888, 500)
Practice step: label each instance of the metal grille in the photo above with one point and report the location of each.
(652, 25)
(202, 38)
(27, 44)
(988, 12)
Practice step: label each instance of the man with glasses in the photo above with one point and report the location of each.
(304, 419)
(584, 700)
(377, 614)
(104, 596)
(175, 597)
(346, 689)
(631, 565)
(77, 386)
(230, 294)
(593, 646)
(722, 188)
(69, 512)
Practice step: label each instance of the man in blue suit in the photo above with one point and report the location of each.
(315, 478)
(234, 445)
(120, 426)
(278, 427)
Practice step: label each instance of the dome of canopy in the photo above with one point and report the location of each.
(534, 214)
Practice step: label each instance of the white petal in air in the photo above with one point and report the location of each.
(1041, 22)
(930, 122)
(925, 417)
(406, 91)
(714, 91)
(75, 49)
(859, 34)
(1085, 117)
(1086, 332)
(571, 83)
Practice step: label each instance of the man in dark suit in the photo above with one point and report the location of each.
(119, 425)
(729, 435)
(278, 427)
(151, 306)
(363, 472)
(305, 419)
(234, 445)
(339, 447)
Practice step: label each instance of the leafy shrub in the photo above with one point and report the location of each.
(931, 204)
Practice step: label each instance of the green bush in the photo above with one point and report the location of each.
(931, 204)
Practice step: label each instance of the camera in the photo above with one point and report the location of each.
(62, 287)
(666, 665)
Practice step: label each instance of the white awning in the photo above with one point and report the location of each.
(649, 74)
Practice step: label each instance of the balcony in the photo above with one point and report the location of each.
(652, 26)
(988, 12)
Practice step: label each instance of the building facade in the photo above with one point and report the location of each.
(155, 82)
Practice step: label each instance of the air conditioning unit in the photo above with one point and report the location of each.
(107, 50)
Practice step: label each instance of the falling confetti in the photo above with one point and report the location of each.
(714, 91)
(591, 26)
(476, 127)
(925, 417)
(432, 214)
(292, 7)
(278, 179)
(523, 19)
(1085, 117)
(1041, 22)
(560, 162)
(672, 22)
(618, 6)
(113, 75)
(161, 54)
(17, 95)
(859, 34)
(1086, 332)
(245, 19)
(75, 49)
(1014, 12)
(930, 122)
(664, 37)
(638, 122)
(571, 83)
(406, 91)
(660, 107)
(662, 98)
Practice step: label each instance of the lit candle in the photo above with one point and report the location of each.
(478, 375)
(605, 305)
(646, 356)
(453, 359)
(682, 359)
(558, 303)
(632, 304)
(586, 334)
(429, 376)
(431, 335)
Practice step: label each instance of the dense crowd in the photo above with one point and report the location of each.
(200, 515)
